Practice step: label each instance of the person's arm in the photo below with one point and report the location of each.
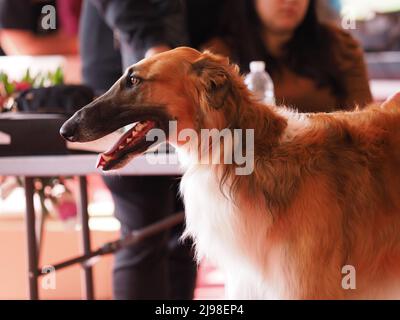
(17, 23)
(156, 49)
(353, 67)
(218, 46)
(24, 42)
(139, 23)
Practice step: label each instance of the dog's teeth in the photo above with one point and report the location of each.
(139, 126)
(120, 147)
(128, 140)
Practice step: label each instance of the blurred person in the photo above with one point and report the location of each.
(22, 31)
(114, 35)
(329, 11)
(315, 66)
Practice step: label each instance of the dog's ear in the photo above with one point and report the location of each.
(213, 73)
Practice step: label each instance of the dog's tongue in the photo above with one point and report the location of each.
(134, 134)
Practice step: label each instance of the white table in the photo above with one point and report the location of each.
(85, 164)
(30, 167)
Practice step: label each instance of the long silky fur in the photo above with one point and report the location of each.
(324, 194)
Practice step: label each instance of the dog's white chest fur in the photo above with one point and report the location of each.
(212, 223)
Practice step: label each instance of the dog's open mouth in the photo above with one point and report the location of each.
(131, 143)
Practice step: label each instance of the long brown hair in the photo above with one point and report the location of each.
(309, 52)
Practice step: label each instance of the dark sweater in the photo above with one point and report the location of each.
(139, 25)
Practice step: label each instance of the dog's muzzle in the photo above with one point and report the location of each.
(69, 129)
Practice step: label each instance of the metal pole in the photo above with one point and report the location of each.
(88, 288)
(31, 240)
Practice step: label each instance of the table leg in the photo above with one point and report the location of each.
(31, 240)
(84, 219)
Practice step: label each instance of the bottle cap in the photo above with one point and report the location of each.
(257, 66)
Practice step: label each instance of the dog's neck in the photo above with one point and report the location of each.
(241, 113)
(268, 125)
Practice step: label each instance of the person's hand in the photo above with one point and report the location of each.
(157, 49)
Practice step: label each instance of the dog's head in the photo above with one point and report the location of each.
(193, 88)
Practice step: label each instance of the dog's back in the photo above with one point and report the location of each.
(339, 184)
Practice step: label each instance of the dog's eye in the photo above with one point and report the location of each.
(134, 81)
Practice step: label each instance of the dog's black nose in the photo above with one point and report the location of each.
(68, 130)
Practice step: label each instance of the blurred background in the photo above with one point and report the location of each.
(375, 23)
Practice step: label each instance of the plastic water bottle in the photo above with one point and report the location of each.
(260, 82)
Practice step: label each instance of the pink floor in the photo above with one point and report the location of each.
(209, 283)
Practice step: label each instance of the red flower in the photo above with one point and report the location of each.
(22, 85)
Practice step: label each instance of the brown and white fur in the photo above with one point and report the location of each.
(324, 193)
